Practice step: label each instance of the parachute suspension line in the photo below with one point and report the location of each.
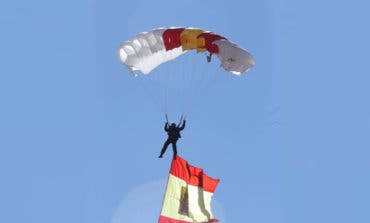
(169, 86)
(166, 118)
(210, 74)
(177, 84)
(163, 89)
(192, 82)
(168, 75)
(184, 85)
(198, 78)
(165, 101)
(188, 81)
(147, 89)
(178, 125)
(158, 83)
(143, 83)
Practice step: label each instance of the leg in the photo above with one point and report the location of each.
(174, 148)
(164, 148)
(209, 58)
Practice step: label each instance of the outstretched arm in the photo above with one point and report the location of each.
(183, 125)
(166, 127)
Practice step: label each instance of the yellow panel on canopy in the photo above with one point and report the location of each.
(189, 38)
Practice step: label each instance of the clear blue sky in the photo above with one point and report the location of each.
(79, 139)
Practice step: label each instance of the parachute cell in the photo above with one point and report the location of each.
(148, 50)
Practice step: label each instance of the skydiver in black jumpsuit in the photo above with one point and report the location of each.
(173, 132)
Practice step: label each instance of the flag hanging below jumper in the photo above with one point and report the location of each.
(188, 194)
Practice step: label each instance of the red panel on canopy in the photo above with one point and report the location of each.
(209, 39)
(171, 38)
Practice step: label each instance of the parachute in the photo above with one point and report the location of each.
(148, 50)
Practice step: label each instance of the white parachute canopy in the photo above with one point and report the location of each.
(148, 50)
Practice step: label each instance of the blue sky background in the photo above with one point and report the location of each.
(79, 138)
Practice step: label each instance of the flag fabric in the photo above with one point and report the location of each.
(188, 194)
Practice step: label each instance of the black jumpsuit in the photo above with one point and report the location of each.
(173, 132)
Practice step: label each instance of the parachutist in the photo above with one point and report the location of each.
(173, 133)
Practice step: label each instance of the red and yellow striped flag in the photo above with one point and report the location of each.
(188, 195)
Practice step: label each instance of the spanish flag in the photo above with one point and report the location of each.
(188, 195)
